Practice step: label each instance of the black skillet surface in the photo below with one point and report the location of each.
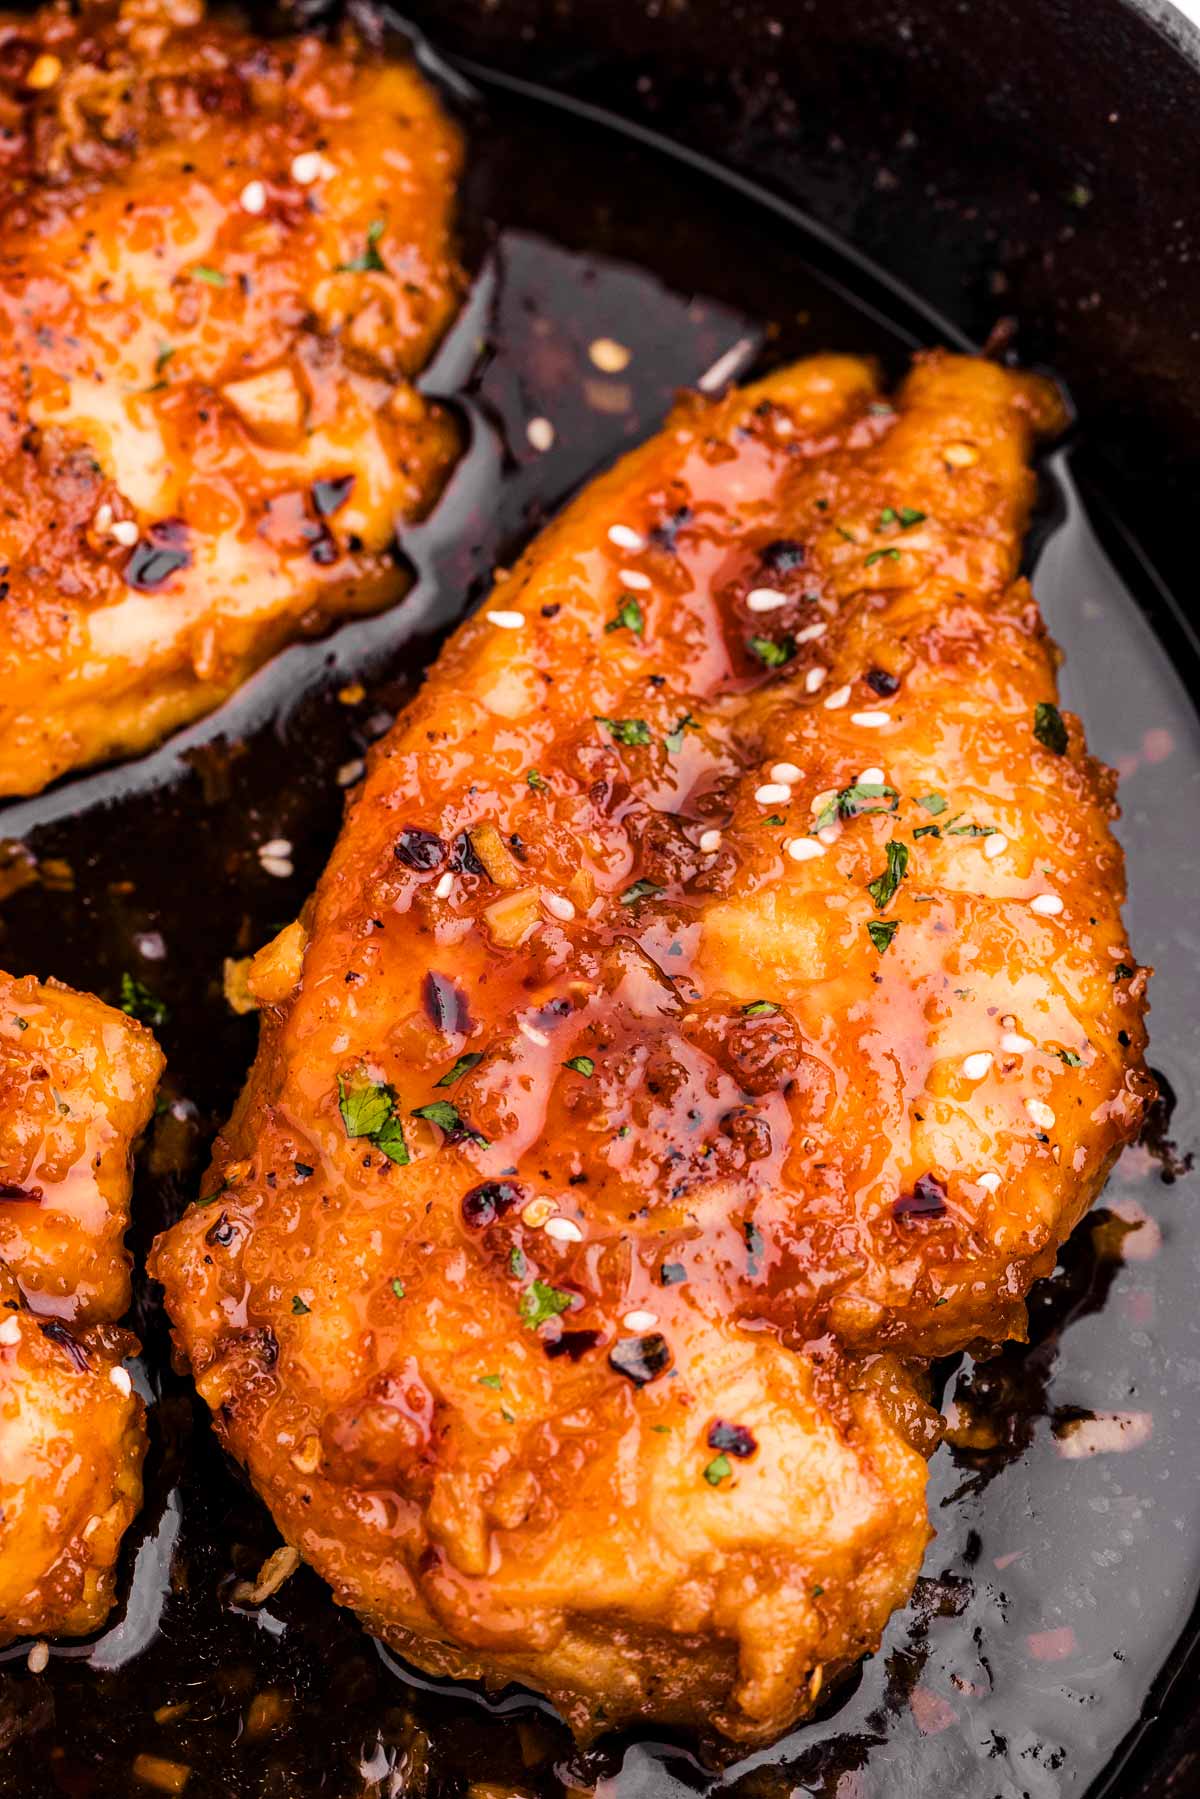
(1049, 1639)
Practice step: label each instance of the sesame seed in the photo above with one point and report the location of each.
(626, 538)
(253, 197)
(38, 1658)
(125, 532)
(306, 168)
(977, 1065)
(538, 1211)
(609, 356)
(506, 621)
(871, 777)
(531, 1032)
(773, 793)
(870, 721)
(810, 633)
(765, 599)
(1048, 905)
(121, 1381)
(540, 433)
(837, 699)
(1040, 1112)
(564, 1229)
(819, 801)
(960, 455)
(995, 845)
(1013, 1044)
(10, 1332)
(829, 834)
(989, 1181)
(631, 577)
(558, 906)
(278, 846)
(444, 887)
(350, 772)
(726, 366)
(710, 841)
(803, 849)
(815, 678)
(640, 1321)
(786, 771)
(278, 866)
(102, 518)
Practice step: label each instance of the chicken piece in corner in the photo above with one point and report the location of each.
(77, 1085)
(226, 259)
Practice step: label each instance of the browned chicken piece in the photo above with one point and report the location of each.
(224, 260)
(717, 998)
(77, 1083)
(77, 1080)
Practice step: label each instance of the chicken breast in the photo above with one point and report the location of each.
(77, 1083)
(716, 1001)
(224, 259)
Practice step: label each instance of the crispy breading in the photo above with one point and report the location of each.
(716, 999)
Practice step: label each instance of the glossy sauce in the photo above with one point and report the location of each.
(1057, 1584)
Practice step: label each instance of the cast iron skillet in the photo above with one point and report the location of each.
(1022, 162)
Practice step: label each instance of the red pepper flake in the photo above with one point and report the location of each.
(733, 1439)
(641, 1359)
(489, 1201)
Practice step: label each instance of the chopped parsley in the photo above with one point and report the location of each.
(760, 1008)
(634, 732)
(165, 353)
(674, 739)
(933, 802)
(904, 516)
(927, 831)
(494, 1381)
(630, 616)
(970, 830)
(139, 1002)
(369, 261)
(770, 654)
(1069, 1056)
(890, 555)
(448, 1118)
(516, 1262)
(463, 1066)
(582, 1065)
(398, 1288)
(213, 277)
(540, 1302)
(298, 1306)
(537, 781)
(719, 1469)
(368, 1109)
(1122, 972)
(1049, 728)
(883, 888)
(639, 890)
(852, 802)
(775, 818)
(881, 932)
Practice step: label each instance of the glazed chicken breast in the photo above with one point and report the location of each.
(223, 261)
(77, 1084)
(716, 1003)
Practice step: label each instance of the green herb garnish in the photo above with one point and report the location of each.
(674, 739)
(298, 1306)
(139, 1002)
(213, 277)
(630, 616)
(772, 655)
(370, 261)
(494, 1381)
(933, 802)
(1069, 1056)
(1049, 728)
(639, 890)
(891, 555)
(760, 1008)
(883, 888)
(537, 782)
(398, 1288)
(368, 1109)
(881, 933)
(540, 1302)
(582, 1065)
(719, 1469)
(633, 732)
(463, 1066)
(853, 802)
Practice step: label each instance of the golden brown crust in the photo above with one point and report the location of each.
(597, 1389)
(77, 1083)
(223, 261)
